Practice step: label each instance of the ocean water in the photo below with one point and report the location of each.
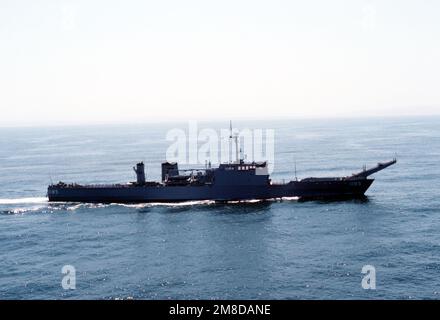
(260, 250)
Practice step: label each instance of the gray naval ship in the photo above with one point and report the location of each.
(234, 181)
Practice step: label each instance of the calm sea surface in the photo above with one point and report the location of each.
(263, 250)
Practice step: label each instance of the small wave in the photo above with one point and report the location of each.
(166, 204)
(263, 200)
(22, 210)
(24, 200)
(200, 202)
(245, 201)
(290, 198)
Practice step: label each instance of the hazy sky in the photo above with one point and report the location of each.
(119, 61)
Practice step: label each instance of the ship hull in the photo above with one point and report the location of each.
(323, 189)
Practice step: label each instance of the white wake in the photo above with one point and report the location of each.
(24, 200)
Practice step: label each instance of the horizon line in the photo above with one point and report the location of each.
(215, 120)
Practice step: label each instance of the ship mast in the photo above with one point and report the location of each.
(296, 177)
(235, 137)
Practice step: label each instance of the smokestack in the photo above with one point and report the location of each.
(140, 173)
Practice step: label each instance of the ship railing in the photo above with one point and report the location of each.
(95, 186)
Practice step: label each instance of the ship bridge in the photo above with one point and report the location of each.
(242, 173)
